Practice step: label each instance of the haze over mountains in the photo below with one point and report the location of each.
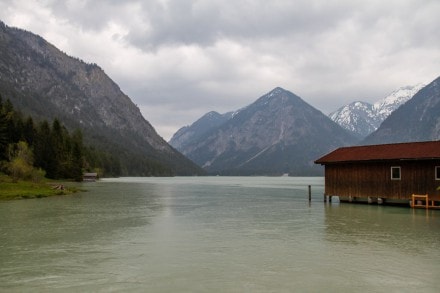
(45, 83)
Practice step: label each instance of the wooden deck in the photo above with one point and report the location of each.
(423, 201)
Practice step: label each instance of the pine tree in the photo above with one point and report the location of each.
(62, 147)
(29, 131)
(44, 150)
(3, 132)
(77, 156)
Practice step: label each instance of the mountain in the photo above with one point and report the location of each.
(384, 107)
(45, 83)
(358, 117)
(416, 120)
(193, 132)
(278, 133)
(361, 118)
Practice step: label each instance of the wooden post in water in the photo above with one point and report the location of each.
(310, 193)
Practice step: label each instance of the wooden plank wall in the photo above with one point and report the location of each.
(374, 179)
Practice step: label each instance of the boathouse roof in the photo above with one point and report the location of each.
(90, 174)
(397, 151)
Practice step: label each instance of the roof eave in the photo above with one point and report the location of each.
(322, 162)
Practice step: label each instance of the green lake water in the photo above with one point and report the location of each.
(214, 234)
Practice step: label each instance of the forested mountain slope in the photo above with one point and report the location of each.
(42, 81)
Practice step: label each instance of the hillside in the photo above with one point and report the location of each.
(358, 117)
(278, 133)
(207, 122)
(416, 120)
(362, 118)
(45, 83)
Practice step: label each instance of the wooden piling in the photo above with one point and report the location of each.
(310, 193)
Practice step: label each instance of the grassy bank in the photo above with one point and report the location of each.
(28, 189)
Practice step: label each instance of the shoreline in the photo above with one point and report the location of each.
(10, 190)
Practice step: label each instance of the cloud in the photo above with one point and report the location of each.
(180, 59)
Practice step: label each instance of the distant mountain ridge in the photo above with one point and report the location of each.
(416, 120)
(278, 133)
(44, 82)
(187, 134)
(362, 118)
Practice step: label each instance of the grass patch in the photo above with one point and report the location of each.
(28, 189)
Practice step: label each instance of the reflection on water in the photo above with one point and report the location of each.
(392, 248)
(80, 217)
(216, 234)
(402, 228)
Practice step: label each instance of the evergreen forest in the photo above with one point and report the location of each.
(31, 151)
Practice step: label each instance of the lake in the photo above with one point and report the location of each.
(214, 234)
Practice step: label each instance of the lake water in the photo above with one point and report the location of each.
(214, 234)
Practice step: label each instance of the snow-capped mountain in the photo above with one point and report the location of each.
(358, 117)
(362, 118)
(416, 120)
(384, 107)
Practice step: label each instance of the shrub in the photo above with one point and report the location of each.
(21, 162)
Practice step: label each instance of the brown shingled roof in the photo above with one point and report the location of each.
(397, 151)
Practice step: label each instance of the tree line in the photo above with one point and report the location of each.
(30, 150)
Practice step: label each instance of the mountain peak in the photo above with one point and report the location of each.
(273, 135)
(356, 117)
(42, 81)
(211, 115)
(416, 120)
(276, 91)
(362, 118)
(189, 133)
(387, 105)
(276, 96)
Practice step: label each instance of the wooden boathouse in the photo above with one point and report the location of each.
(401, 173)
(90, 177)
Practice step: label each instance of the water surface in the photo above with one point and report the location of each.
(214, 234)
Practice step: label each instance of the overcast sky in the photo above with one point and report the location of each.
(179, 59)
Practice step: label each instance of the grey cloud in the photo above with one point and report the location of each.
(203, 22)
(96, 15)
(183, 58)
